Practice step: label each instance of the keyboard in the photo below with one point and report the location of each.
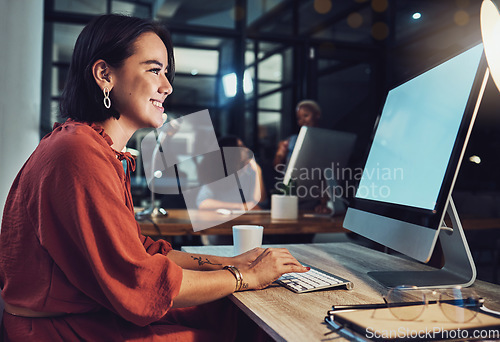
(312, 280)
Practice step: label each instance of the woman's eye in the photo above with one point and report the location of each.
(155, 71)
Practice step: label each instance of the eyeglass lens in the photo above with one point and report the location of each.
(408, 302)
(459, 304)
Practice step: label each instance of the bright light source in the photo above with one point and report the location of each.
(247, 82)
(158, 174)
(194, 72)
(416, 15)
(490, 30)
(475, 159)
(229, 82)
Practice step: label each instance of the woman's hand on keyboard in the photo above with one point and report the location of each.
(246, 259)
(268, 266)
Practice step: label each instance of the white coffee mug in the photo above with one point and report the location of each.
(284, 207)
(246, 237)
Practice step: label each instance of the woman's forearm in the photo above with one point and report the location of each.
(203, 287)
(199, 262)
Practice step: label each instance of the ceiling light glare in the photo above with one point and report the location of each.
(247, 82)
(229, 83)
(475, 159)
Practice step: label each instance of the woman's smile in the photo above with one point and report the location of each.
(158, 104)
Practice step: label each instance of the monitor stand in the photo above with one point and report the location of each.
(458, 269)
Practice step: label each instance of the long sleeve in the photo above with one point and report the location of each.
(88, 240)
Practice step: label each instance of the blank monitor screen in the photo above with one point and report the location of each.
(416, 134)
(406, 185)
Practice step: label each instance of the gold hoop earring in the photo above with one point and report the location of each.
(107, 100)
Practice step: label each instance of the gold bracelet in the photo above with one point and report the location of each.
(241, 278)
(237, 275)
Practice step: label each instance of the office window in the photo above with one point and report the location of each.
(195, 83)
(269, 125)
(269, 132)
(219, 14)
(255, 9)
(281, 24)
(195, 92)
(344, 93)
(64, 38)
(270, 73)
(197, 72)
(54, 112)
(81, 6)
(248, 82)
(129, 8)
(248, 134)
(269, 119)
(196, 61)
(271, 102)
(59, 74)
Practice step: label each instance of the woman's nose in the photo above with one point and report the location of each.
(166, 87)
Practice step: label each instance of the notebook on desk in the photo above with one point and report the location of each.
(380, 324)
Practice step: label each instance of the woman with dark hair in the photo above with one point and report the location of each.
(73, 263)
(82, 96)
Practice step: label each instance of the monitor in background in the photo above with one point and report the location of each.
(316, 164)
(406, 185)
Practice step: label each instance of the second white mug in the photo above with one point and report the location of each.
(284, 207)
(246, 237)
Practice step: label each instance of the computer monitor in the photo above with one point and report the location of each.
(406, 185)
(316, 164)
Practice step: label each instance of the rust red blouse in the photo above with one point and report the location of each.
(69, 243)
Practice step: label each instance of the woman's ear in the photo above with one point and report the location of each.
(102, 74)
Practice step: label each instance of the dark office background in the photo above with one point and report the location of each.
(345, 54)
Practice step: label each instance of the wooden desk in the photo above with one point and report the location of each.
(178, 223)
(287, 316)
